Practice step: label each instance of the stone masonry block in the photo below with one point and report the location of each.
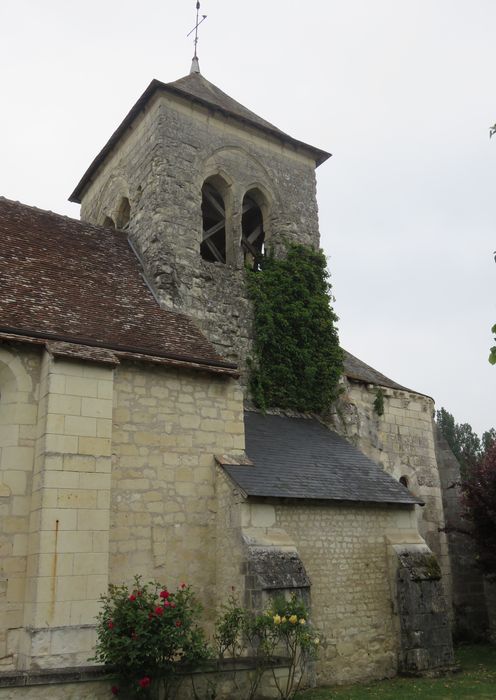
(61, 443)
(63, 518)
(93, 520)
(262, 515)
(94, 446)
(64, 405)
(90, 563)
(105, 389)
(96, 408)
(15, 457)
(80, 498)
(80, 425)
(78, 386)
(61, 479)
(16, 481)
(94, 481)
(9, 434)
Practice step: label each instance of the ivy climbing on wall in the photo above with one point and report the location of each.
(297, 360)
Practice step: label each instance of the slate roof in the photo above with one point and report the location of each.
(301, 458)
(195, 85)
(65, 280)
(194, 88)
(356, 369)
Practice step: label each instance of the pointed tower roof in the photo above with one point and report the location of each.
(197, 89)
(195, 85)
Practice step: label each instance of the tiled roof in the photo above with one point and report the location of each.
(67, 281)
(301, 458)
(194, 88)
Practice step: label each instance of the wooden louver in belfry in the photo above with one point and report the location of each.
(213, 246)
(252, 238)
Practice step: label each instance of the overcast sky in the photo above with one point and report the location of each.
(402, 93)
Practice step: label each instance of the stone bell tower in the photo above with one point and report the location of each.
(202, 185)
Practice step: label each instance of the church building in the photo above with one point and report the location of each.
(128, 441)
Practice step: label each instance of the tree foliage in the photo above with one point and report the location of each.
(479, 507)
(464, 442)
(492, 352)
(297, 360)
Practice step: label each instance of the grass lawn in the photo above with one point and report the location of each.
(477, 679)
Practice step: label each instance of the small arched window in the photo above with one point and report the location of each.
(213, 245)
(404, 481)
(252, 228)
(109, 222)
(123, 213)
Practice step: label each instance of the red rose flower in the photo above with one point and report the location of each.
(114, 690)
(167, 604)
(183, 585)
(132, 597)
(164, 594)
(178, 623)
(145, 682)
(110, 625)
(159, 610)
(138, 593)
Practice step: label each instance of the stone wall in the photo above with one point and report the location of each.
(426, 642)
(160, 166)
(401, 441)
(19, 388)
(70, 432)
(168, 426)
(231, 681)
(345, 552)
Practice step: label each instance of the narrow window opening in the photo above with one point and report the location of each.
(109, 223)
(404, 481)
(213, 245)
(253, 234)
(123, 214)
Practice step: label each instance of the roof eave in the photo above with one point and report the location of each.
(254, 494)
(317, 154)
(185, 361)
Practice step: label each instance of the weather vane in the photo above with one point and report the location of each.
(195, 66)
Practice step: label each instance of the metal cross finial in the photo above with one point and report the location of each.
(195, 65)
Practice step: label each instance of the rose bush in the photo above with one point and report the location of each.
(282, 631)
(151, 637)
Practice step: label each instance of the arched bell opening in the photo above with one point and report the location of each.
(252, 228)
(213, 244)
